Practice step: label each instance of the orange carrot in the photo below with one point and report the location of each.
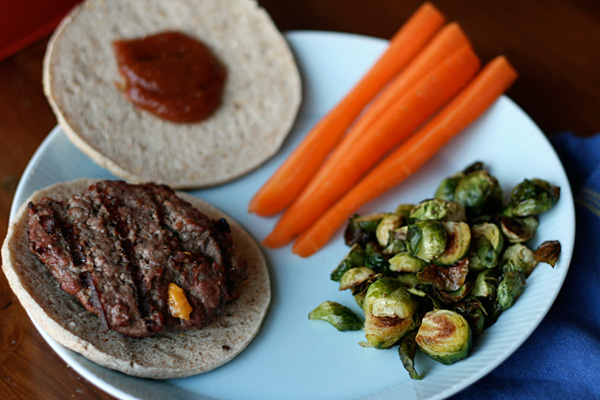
(489, 84)
(444, 43)
(360, 151)
(293, 175)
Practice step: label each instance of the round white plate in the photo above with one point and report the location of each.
(292, 357)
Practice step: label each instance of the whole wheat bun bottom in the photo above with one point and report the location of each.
(170, 355)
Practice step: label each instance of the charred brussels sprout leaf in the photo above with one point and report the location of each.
(518, 257)
(356, 277)
(361, 229)
(341, 317)
(532, 197)
(445, 336)
(375, 259)
(407, 351)
(354, 258)
(474, 312)
(458, 240)
(389, 310)
(518, 230)
(509, 290)
(455, 295)
(437, 210)
(548, 252)
(479, 193)
(486, 246)
(404, 262)
(445, 278)
(426, 239)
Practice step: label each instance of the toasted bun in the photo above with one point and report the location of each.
(170, 355)
(260, 103)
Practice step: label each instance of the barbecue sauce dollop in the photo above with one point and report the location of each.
(171, 75)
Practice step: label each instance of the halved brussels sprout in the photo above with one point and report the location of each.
(426, 239)
(447, 187)
(356, 277)
(409, 280)
(510, 288)
(387, 225)
(354, 258)
(389, 310)
(518, 257)
(445, 336)
(445, 278)
(341, 317)
(548, 252)
(458, 240)
(487, 243)
(361, 228)
(404, 262)
(479, 193)
(532, 197)
(437, 210)
(518, 230)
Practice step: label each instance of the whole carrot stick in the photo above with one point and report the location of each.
(449, 39)
(360, 151)
(291, 177)
(489, 84)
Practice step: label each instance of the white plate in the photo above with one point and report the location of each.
(294, 358)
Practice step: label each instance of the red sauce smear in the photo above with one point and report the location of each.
(172, 75)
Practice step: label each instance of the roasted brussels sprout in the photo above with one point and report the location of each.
(361, 228)
(404, 262)
(486, 284)
(548, 252)
(445, 336)
(354, 258)
(487, 244)
(474, 312)
(426, 239)
(341, 317)
(447, 187)
(510, 288)
(437, 210)
(397, 241)
(518, 230)
(404, 209)
(479, 193)
(452, 296)
(356, 277)
(458, 240)
(375, 259)
(532, 197)
(386, 227)
(357, 280)
(518, 257)
(409, 280)
(389, 310)
(445, 278)
(407, 351)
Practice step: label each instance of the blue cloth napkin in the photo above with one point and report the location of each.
(561, 359)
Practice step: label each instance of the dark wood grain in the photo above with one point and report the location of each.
(552, 43)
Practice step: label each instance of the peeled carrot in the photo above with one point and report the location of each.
(360, 151)
(489, 84)
(293, 175)
(449, 39)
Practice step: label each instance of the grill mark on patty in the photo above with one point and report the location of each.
(69, 233)
(87, 282)
(111, 204)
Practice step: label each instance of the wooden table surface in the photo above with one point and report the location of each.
(552, 43)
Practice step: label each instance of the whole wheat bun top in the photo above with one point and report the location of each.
(170, 355)
(260, 101)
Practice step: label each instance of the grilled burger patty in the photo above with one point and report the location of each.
(118, 246)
